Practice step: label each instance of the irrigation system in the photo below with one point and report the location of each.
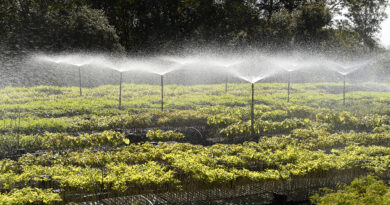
(164, 65)
(247, 73)
(81, 91)
(120, 90)
(226, 83)
(344, 75)
(68, 60)
(228, 67)
(162, 92)
(344, 89)
(223, 66)
(346, 69)
(293, 67)
(253, 110)
(288, 87)
(79, 65)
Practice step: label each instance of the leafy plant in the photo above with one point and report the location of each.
(364, 190)
(160, 135)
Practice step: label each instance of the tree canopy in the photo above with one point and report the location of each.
(341, 26)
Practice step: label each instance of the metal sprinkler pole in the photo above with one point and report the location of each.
(120, 90)
(162, 92)
(81, 92)
(252, 110)
(226, 83)
(288, 92)
(344, 91)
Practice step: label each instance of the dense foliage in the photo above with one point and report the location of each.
(365, 190)
(160, 135)
(62, 144)
(157, 25)
(55, 26)
(29, 196)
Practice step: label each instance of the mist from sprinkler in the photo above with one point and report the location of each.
(290, 64)
(73, 60)
(162, 66)
(345, 69)
(225, 66)
(253, 73)
(238, 66)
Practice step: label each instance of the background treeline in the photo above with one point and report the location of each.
(145, 26)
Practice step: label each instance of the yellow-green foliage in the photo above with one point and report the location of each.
(63, 141)
(160, 135)
(365, 190)
(29, 195)
(313, 136)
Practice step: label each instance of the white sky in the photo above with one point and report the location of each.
(384, 36)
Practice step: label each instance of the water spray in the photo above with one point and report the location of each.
(291, 68)
(68, 60)
(345, 69)
(251, 77)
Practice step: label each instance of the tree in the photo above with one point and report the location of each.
(365, 17)
(282, 28)
(155, 25)
(302, 26)
(55, 26)
(311, 20)
(88, 29)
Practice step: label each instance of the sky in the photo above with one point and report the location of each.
(384, 35)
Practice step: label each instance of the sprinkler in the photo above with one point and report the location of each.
(288, 89)
(162, 92)
(294, 67)
(345, 70)
(81, 92)
(120, 90)
(344, 91)
(226, 83)
(252, 110)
